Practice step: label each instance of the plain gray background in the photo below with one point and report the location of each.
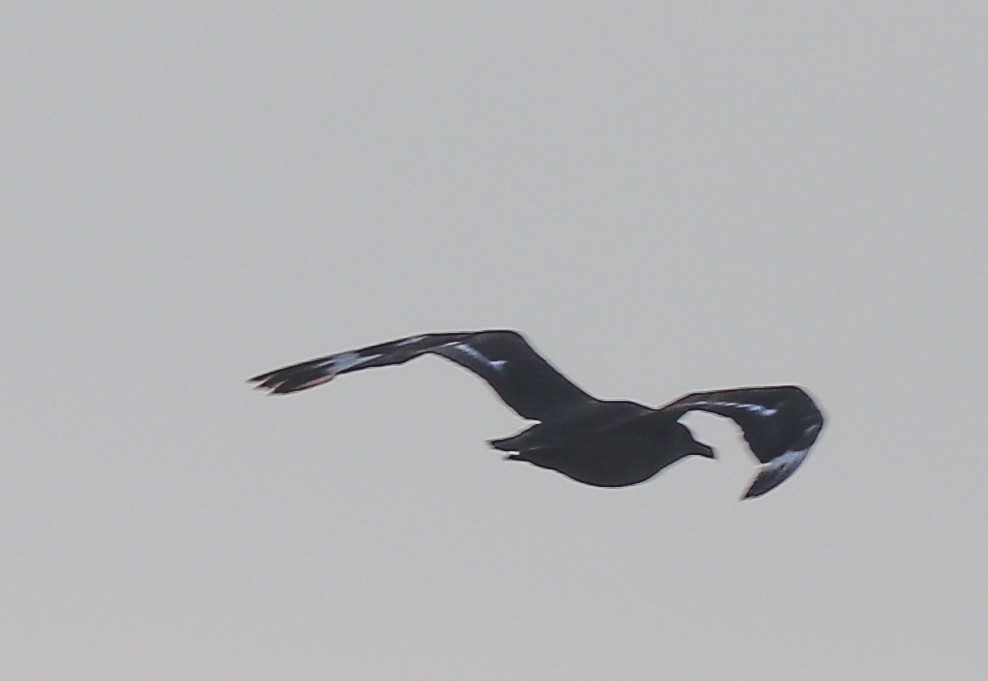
(664, 197)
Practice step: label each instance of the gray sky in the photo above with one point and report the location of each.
(663, 197)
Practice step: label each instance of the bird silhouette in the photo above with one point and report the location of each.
(605, 443)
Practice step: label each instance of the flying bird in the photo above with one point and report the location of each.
(605, 443)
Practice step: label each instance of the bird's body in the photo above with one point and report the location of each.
(618, 456)
(597, 442)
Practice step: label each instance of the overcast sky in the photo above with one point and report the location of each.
(664, 197)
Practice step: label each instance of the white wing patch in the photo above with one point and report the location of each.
(348, 360)
(753, 408)
(788, 462)
(496, 364)
(408, 341)
(327, 370)
(776, 471)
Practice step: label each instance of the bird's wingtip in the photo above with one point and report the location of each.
(774, 473)
(284, 381)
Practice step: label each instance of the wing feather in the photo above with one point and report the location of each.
(779, 423)
(521, 377)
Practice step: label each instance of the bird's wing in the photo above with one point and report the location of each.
(780, 424)
(521, 377)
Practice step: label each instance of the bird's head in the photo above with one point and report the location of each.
(703, 450)
(687, 445)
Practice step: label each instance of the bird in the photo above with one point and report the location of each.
(603, 443)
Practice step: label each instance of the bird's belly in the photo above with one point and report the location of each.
(598, 464)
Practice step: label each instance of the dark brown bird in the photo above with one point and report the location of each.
(598, 442)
